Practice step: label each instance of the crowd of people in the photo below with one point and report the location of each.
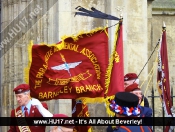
(130, 103)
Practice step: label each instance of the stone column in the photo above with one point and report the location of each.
(136, 41)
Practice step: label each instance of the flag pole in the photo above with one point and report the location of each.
(163, 79)
(163, 26)
(121, 18)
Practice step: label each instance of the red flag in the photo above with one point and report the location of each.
(80, 109)
(73, 68)
(163, 77)
(115, 72)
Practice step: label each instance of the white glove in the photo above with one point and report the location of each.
(36, 102)
(168, 115)
(44, 112)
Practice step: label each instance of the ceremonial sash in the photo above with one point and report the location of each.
(21, 121)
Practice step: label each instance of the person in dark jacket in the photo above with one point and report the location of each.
(125, 104)
(131, 78)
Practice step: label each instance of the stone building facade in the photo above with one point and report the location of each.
(51, 19)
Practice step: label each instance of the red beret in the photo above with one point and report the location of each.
(130, 76)
(132, 87)
(63, 115)
(21, 88)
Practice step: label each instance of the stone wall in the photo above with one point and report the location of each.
(142, 22)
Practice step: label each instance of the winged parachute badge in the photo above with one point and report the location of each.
(66, 66)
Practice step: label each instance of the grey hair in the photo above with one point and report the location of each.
(137, 81)
(26, 92)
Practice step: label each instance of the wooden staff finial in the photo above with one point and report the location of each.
(121, 18)
(163, 26)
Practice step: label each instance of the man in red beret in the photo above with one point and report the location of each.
(134, 88)
(131, 78)
(25, 109)
(61, 128)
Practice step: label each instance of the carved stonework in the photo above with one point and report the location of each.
(165, 7)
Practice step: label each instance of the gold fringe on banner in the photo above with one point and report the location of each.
(108, 75)
(79, 35)
(109, 69)
(26, 69)
(91, 100)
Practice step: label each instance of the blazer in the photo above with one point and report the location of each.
(145, 111)
(33, 113)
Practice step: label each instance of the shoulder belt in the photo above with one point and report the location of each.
(18, 113)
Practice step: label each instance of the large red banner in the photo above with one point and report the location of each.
(71, 69)
(115, 72)
(163, 78)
